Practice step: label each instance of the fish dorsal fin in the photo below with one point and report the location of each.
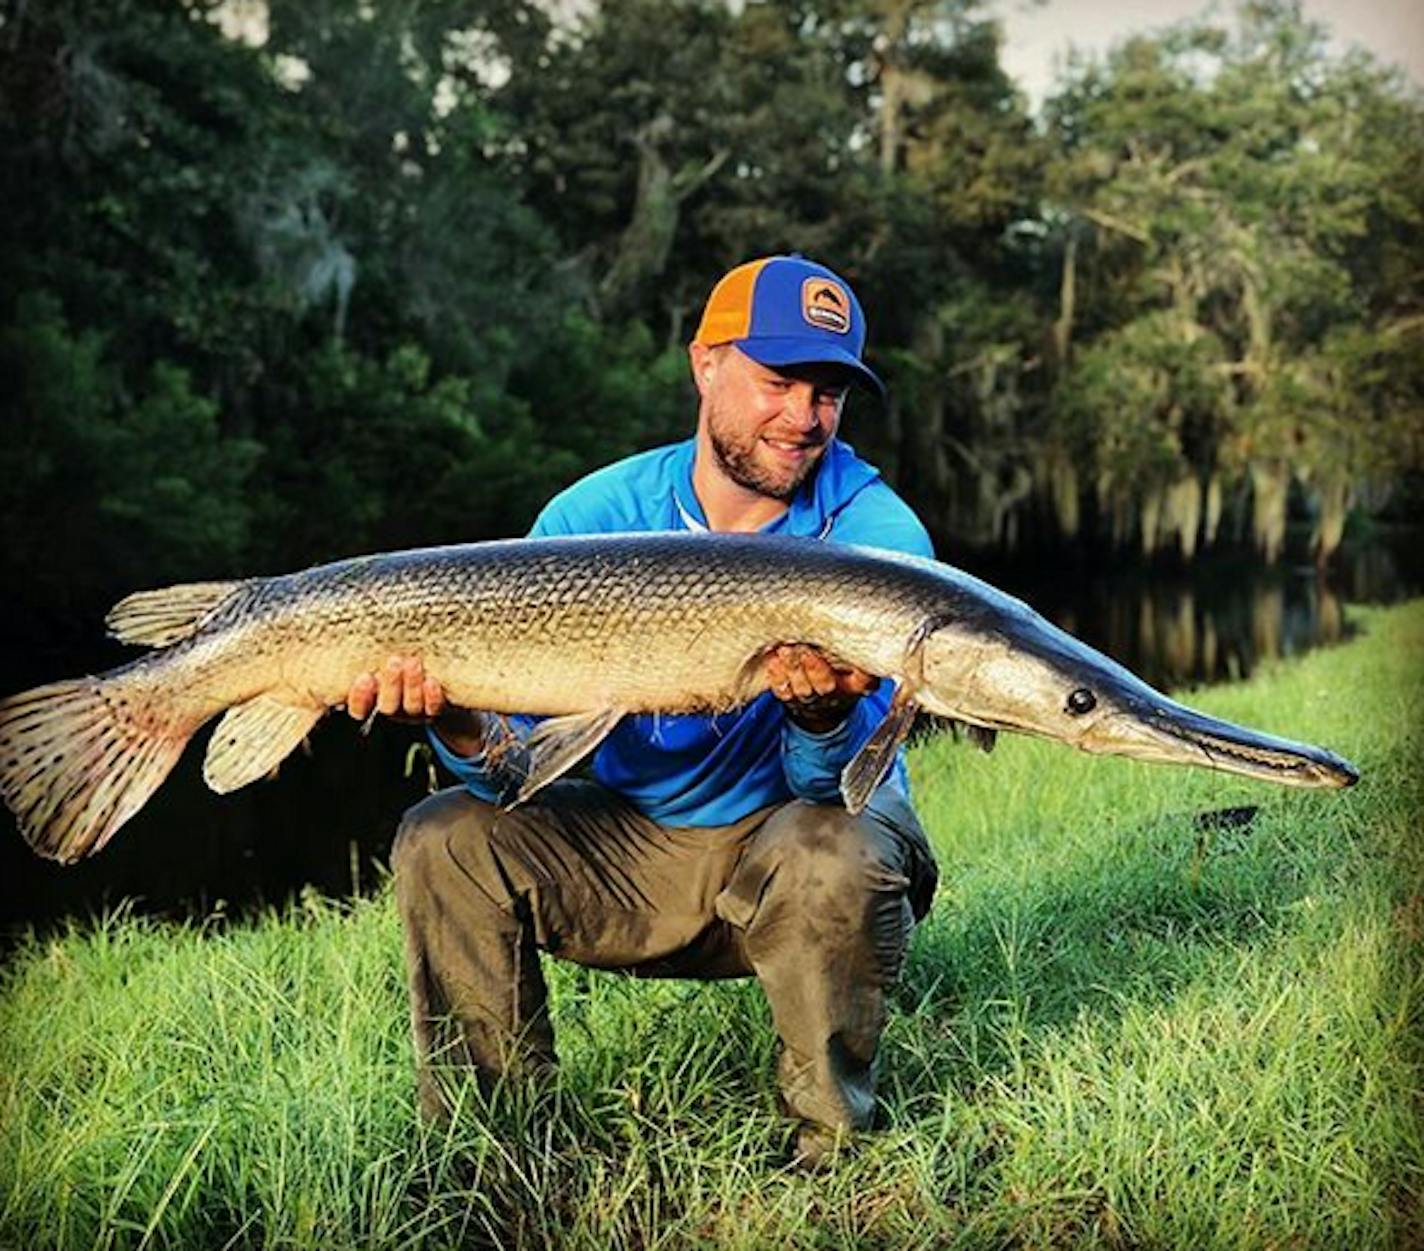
(558, 744)
(253, 738)
(868, 767)
(157, 618)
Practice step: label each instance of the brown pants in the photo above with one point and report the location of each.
(815, 903)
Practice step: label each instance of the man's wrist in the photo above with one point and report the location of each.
(462, 730)
(819, 717)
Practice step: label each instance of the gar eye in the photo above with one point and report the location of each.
(1082, 700)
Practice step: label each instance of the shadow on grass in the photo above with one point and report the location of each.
(1001, 963)
(652, 1075)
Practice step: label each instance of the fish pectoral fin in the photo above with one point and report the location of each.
(253, 738)
(157, 618)
(872, 762)
(751, 678)
(558, 744)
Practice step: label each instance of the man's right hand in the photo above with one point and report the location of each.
(402, 690)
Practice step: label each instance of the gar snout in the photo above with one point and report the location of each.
(1170, 732)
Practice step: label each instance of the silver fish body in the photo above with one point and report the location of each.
(581, 630)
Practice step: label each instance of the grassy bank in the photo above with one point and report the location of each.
(1117, 1029)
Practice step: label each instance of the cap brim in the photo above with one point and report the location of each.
(775, 352)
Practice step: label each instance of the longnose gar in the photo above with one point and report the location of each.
(583, 631)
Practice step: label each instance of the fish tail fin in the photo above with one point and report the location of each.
(76, 762)
(157, 618)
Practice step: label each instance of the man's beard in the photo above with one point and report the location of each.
(738, 461)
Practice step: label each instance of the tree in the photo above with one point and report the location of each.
(1228, 194)
(101, 478)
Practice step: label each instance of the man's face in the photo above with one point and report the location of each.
(768, 428)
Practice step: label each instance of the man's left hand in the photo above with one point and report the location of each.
(818, 694)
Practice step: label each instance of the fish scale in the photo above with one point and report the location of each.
(502, 615)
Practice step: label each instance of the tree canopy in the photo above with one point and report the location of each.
(297, 279)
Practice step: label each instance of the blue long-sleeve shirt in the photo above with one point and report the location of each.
(700, 769)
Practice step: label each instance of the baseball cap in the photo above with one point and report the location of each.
(786, 310)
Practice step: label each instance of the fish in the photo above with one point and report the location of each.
(580, 631)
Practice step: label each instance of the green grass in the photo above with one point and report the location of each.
(1115, 1030)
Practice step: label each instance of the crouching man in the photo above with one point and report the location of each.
(703, 846)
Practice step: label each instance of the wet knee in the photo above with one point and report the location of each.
(834, 892)
(829, 853)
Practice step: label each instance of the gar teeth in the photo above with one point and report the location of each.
(1247, 756)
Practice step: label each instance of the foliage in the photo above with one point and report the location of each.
(1119, 1026)
(1143, 400)
(1225, 183)
(121, 476)
(368, 274)
(278, 315)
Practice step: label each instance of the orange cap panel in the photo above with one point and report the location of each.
(728, 314)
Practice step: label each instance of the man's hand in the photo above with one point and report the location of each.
(403, 691)
(818, 695)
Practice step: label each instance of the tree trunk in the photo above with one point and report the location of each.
(1182, 513)
(1067, 292)
(1212, 509)
(892, 82)
(1149, 519)
(926, 470)
(1062, 476)
(1258, 324)
(1116, 505)
(646, 242)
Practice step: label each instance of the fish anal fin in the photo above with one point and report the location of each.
(253, 738)
(558, 744)
(867, 769)
(157, 618)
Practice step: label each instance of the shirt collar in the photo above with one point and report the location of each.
(813, 510)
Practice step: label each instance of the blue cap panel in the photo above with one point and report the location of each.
(788, 294)
(802, 313)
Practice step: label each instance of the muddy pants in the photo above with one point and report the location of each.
(816, 904)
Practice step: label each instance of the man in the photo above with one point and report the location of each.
(704, 846)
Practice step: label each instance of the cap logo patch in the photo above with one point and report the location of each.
(826, 305)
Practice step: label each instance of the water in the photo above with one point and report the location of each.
(1218, 620)
(328, 819)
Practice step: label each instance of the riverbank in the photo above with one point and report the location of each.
(1122, 1025)
(330, 814)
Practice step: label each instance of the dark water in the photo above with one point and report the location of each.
(1217, 620)
(328, 819)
